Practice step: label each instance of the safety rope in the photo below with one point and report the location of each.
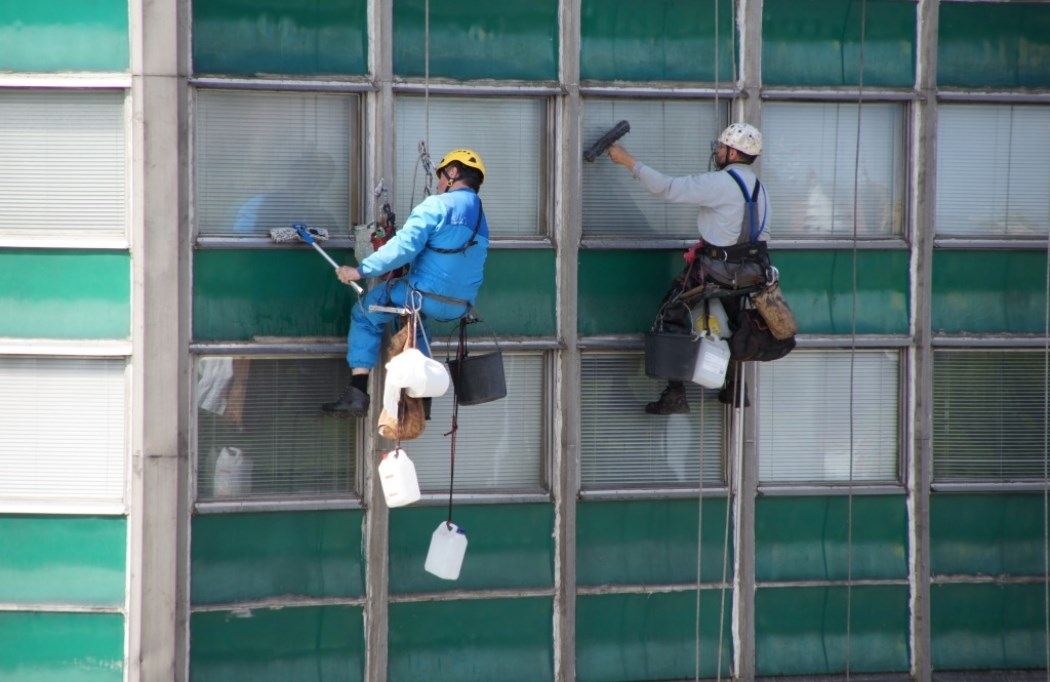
(1046, 463)
(699, 536)
(853, 345)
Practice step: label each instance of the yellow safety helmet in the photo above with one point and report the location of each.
(467, 157)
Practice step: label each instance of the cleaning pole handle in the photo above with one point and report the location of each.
(308, 238)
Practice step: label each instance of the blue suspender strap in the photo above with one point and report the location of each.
(750, 201)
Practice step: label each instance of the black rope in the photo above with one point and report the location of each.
(461, 352)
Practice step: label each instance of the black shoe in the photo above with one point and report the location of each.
(354, 402)
(726, 395)
(672, 401)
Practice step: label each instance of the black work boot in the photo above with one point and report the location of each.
(729, 392)
(354, 402)
(672, 401)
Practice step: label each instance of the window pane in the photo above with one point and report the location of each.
(672, 136)
(261, 433)
(500, 445)
(623, 447)
(507, 133)
(64, 426)
(992, 175)
(989, 415)
(267, 160)
(807, 417)
(62, 162)
(810, 166)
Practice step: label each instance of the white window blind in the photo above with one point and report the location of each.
(989, 415)
(510, 136)
(63, 169)
(672, 136)
(811, 403)
(261, 432)
(269, 159)
(500, 445)
(992, 175)
(623, 447)
(65, 430)
(810, 165)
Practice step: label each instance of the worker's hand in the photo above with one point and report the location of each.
(347, 274)
(621, 156)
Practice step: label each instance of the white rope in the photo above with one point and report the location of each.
(699, 540)
(1046, 464)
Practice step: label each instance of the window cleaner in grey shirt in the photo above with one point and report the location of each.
(723, 221)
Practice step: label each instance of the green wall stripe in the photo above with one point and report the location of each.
(65, 294)
(988, 627)
(71, 35)
(989, 534)
(305, 644)
(314, 554)
(506, 39)
(803, 630)
(63, 560)
(620, 291)
(465, 641)
(283, 37)
(818, 42)
(61, 647)
(652, 636)
(650, 542)
(670, 40)
(979, 292)
(814, 538)
(994, 45)
(508, 547)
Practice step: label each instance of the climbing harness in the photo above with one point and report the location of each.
(471, 240)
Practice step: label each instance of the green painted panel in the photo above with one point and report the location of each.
(651, 41)
(72, 35)
(291, 37)
(90, 300)
(810, 538)
(988, 627)
(989, 292)
(507, 39)
(819, 287)
(61, 647)
(508, 547)
(305, 644)
(650, 542)
(803, 630)
(987, 534)
(464, 641)
(518, 296)
(994, 44)
(314, 554)
(620, 291)
(819, 42)
(275, 292)
(63, 560)
(652, 636)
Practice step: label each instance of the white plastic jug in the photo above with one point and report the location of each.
(717, 319)
(448, 545)
(233, 473)
(397, 475)
(712, 361)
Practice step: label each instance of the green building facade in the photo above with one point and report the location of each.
(173, 505)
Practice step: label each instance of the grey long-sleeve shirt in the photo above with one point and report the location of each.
(717, 195)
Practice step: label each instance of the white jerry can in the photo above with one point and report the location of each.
(712, 361)
(448, 545)
(397, 475)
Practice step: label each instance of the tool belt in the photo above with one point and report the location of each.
(738, 253)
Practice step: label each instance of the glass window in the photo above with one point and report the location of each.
(65, 430)
(623, 447)
(820, 176)
(500, 445)
(272, 159)
(261, 432)
(672, 136)
(63, 166)
(510, 136)
(992, 175)
(811, 404)
(989, 415)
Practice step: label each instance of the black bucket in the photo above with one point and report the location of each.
(670, 356)
(478, 379)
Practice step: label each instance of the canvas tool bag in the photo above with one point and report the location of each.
(775, 311)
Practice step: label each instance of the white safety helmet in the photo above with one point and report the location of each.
(742, 137)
